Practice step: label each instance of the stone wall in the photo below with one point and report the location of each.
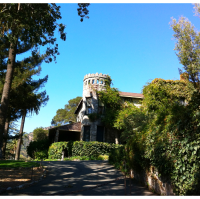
(160, 185)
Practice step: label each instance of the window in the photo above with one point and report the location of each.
(86, 133)
(88, 81)
(101, 108)
(97, 81)
(88, 105)
(93, 81)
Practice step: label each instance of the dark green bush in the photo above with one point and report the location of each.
(38, 149)
(116, 156)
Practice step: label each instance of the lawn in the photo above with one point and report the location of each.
(16, 164)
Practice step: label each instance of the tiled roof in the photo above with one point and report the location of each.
(133, 95)
(71, 127)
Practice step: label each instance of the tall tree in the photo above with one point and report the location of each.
(63, 116)
(188, 47)
(26, 26)
(31, 103)
(22, 88)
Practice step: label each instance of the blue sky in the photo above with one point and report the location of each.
(133, 43)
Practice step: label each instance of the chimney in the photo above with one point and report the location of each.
(184, 76)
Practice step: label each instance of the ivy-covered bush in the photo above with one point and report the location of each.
(38, 149)
(164, 133)
(80, 148)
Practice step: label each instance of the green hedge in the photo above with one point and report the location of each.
(55, 150)
(92, 148)
(80, 148)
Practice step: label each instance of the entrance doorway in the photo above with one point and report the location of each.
(86, 133)
(100, 131)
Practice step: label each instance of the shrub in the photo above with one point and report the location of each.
(92, 148)
(55, 150)
(38, 149)
(40, 155)
(102, 157)
(116, 156)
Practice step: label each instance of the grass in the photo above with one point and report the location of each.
(100, 157)
(16, 164)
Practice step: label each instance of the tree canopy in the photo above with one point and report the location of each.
(40, 134)
(64, 116)
(188, 47)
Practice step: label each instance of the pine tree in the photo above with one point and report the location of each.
(24, 26)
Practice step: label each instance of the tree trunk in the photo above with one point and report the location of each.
(6, 92)
(5, 135)
(17, 154)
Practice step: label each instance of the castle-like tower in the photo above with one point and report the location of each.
(93, 83)
(92, 130)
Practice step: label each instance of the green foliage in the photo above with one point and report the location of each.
(40, 155)
(38, 149)
(92, 150)
(100, 157)
(187, 48)
(162, 94)
(112, 102)
(65, 115)
(40, 134)
(83, 11)
(94, 116)
(164, 133)
(130, 120)
(116, 157)
(171, 130)
(55, 150)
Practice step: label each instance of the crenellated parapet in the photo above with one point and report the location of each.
(96, 80)
(96, 75)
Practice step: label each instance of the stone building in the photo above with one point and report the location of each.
(91, 129)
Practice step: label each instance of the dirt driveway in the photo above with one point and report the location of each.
(81, 178)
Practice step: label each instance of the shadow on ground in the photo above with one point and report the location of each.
(82, 178)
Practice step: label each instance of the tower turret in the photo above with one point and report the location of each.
(92, 82)
(92, 130)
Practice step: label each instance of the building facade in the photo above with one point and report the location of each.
(88, 129)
